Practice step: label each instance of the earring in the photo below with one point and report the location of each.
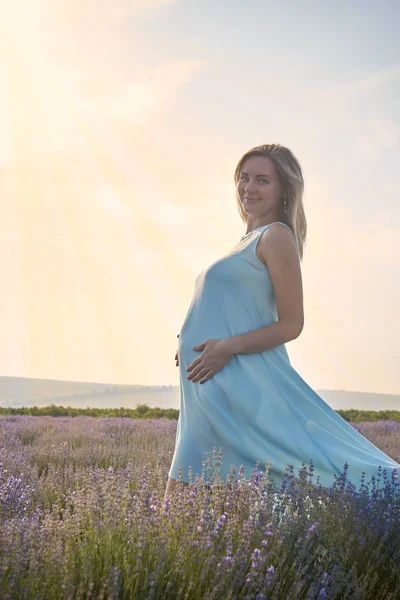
(284, 204)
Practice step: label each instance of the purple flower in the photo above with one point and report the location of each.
(311, 530)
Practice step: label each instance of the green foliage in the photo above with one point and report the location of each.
(143, 411)
(364, 416)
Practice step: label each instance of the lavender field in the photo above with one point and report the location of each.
(82, 516)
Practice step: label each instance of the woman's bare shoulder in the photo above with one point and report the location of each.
(277, 240)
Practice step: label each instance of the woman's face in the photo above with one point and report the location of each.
(259, 188)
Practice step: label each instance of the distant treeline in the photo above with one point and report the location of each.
(143, 411)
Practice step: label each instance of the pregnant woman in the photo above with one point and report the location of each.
(238, 390)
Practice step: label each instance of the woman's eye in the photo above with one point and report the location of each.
(242, 177)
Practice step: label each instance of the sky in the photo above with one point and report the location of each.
(121, 126)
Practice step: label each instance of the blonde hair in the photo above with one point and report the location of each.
(292, 184)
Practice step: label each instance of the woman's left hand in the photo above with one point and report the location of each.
(215, 354)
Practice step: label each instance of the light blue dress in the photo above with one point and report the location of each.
(257, 408)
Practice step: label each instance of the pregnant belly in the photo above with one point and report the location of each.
(185, 349)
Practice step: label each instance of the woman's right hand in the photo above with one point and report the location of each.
(176, 356)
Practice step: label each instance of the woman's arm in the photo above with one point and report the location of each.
(278, 249)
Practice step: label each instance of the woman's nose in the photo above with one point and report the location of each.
(249, 186)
